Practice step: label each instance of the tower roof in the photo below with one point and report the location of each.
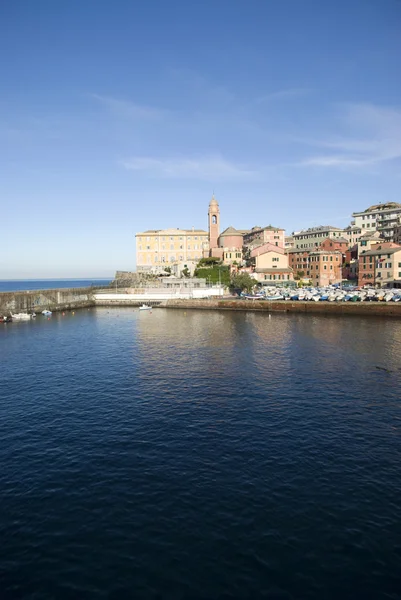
(213, 201)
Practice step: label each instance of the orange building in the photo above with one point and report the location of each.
(325, 267)
(381, 266)
(298, 260)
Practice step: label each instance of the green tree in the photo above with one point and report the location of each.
(242, 281)
(210, 261)
(185, 272)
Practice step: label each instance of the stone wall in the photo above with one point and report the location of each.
(38, 300)
(385, 309)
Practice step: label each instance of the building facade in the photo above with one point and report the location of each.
(298, 260)
(381, 266)
(325, 267)
(379, 217)
(264, 235)
(310, 239)
(271, 264)
(157, 249)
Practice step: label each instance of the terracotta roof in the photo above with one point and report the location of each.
(230, 231)
(378, 251)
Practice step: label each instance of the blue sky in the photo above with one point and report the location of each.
(121, 116)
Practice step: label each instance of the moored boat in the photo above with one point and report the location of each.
(145, 307)
(21, 317)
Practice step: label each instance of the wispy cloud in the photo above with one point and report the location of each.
(282, 95)
(209, 168)
(375, 137)
(127, 109)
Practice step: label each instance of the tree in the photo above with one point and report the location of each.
(185, 272)
(242, 281)
(210, 261)
(167, 270)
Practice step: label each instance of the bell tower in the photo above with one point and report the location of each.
(214, 222)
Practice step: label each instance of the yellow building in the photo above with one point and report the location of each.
(159, 248)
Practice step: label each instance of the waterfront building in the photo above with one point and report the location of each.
(298, 260)
(270, 264)
(310, 239)
(379, 217)
(381, 266)
(325, 267)
(159, 248)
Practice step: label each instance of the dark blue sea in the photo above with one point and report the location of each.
(17, 285)
(172, 454)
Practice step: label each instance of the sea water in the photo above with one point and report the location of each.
(200, 454)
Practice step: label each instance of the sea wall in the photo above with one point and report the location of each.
(38, 300)
(385, 309)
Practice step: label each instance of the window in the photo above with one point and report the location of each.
(171, 246)
(379, 274)
(147, 247)
(189, 246)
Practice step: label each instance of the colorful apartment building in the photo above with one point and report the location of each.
(258, 236)
(379, 217)
(381, 266)
(310, 239)
(325, 267)
(271, 264)
(298, 261)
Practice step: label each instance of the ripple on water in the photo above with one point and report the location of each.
(209, 455)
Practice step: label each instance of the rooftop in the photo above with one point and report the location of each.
(176, 231)
(380, 250)
(378, 207)
(318, 229)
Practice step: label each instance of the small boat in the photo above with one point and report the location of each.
(145, 307)
(46, 313)
(5, 319)
(275, 297)
(21, 317)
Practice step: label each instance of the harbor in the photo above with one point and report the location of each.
(356, 302)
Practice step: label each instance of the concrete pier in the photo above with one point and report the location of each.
(34, 301)
(384, 309)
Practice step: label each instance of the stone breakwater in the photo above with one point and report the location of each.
(38, 300)
(385, 309)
